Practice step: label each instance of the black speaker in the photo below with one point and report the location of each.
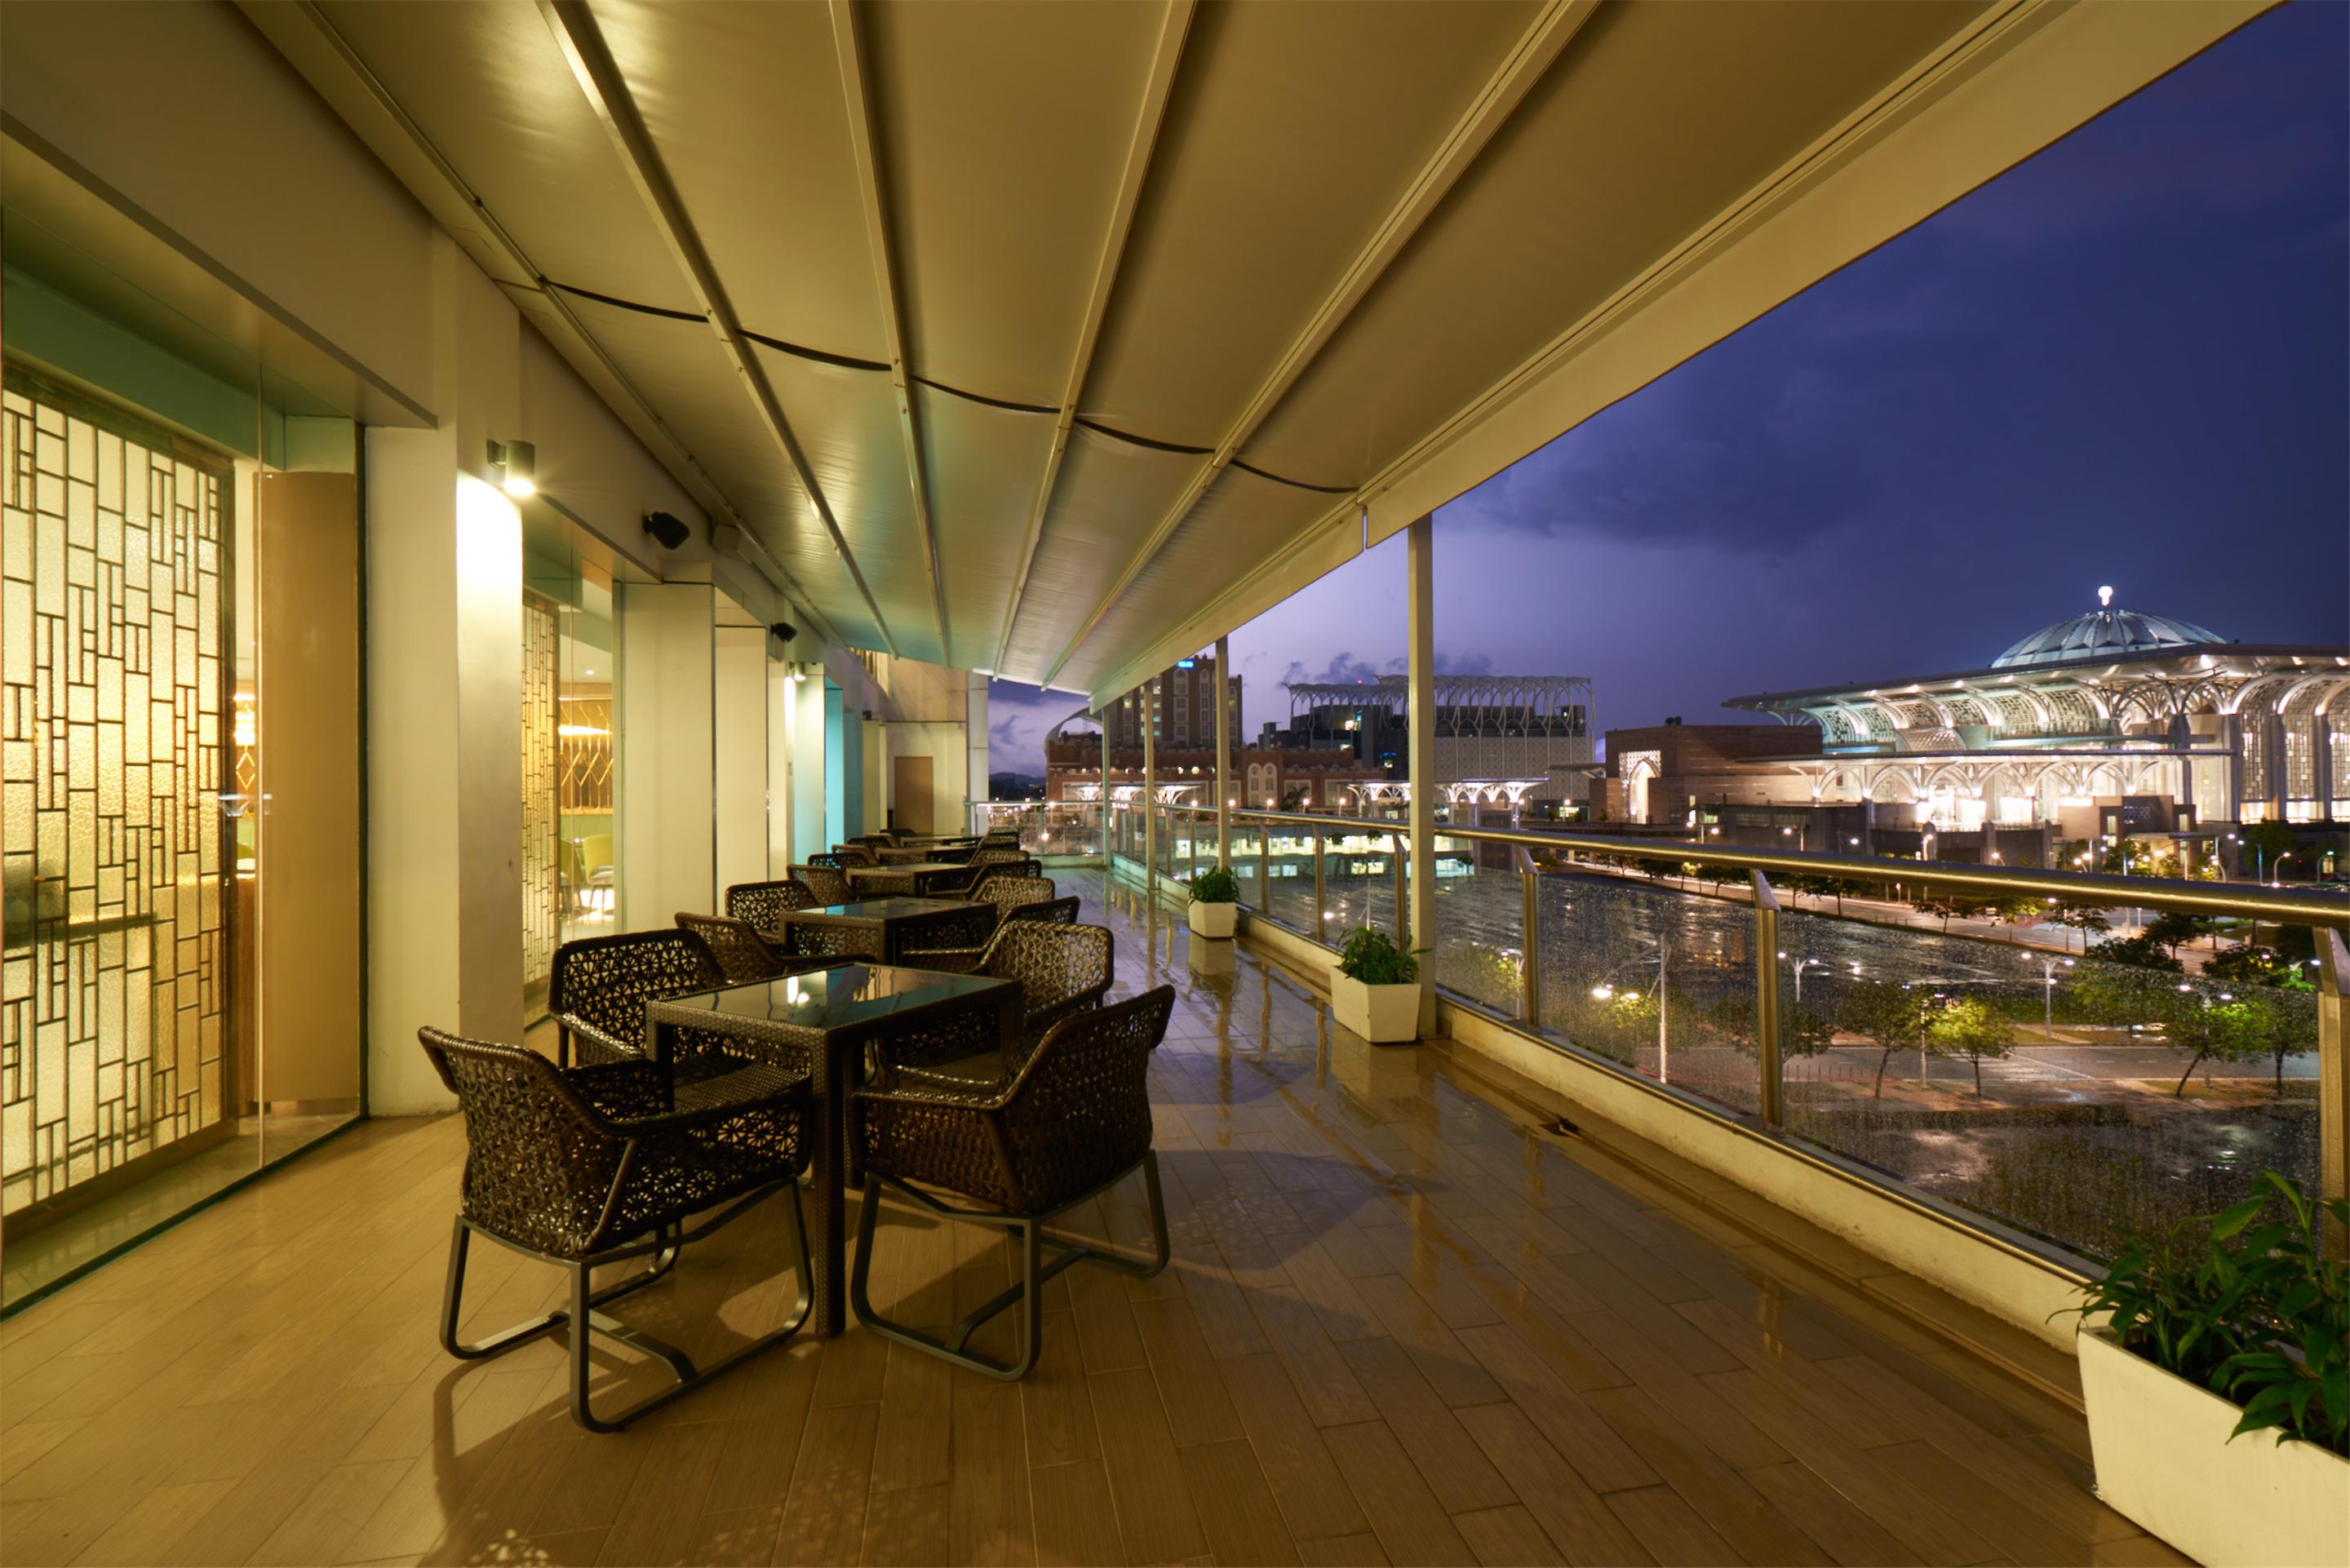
(668, 530)
(783, 631)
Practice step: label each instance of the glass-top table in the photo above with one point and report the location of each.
(881, 930)
(917, 876)
(830, 1018)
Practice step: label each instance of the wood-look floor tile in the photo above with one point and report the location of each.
(1235, 1503)
(1314, 1499)
(908, 1528)
(1343, 1551)
(1570, 1513)
(1156, 1512)
(1508, 1537)
(824, 1513)
(1077, 1523)
(990, 1520)
(1846, 1534)
(1057, 1401)
(1673, 1532)
(1411, 1525)
(1197, 1409)
(1461, 1477)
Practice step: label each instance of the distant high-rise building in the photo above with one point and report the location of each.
(1182, 712)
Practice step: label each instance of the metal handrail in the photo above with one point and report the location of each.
(2291, 906)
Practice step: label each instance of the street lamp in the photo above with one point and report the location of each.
(1799, 966)
(2048, 997)
(2281, 860)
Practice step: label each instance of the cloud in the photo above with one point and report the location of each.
(1344, 669)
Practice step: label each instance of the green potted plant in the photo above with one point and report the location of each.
(2215, 1362)
(1216, 902)
(1376, 991)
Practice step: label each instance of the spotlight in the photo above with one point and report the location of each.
(517, 465)
(668, 530)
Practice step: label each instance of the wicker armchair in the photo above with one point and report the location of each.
(889, 883)
(972, 958)
(762, 905)
(828, 882)
(588, 1167)
(832, 861)
(1061, 969)
(743, 954)
(1008, 893)
(996, 869)
(852, 855)
(598, 988)
(1073, 1122)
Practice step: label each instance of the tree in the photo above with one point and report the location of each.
(2235, 1029)
(1802, 1031)
(1931, 904)
(2143, 951)
(2266, 842)
(2175, 929)
(1889, 1016)
(1965, 1027)
(2013, 911)
(2082, 919)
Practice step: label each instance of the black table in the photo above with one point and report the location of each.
(831, 1017)
(920, 875)
(878, 930)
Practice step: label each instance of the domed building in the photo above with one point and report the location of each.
(2114, 720)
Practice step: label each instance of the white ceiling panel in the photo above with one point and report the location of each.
(1659, 117)
(1108, 491)
(1000, 201)
(744, 104)
(485, 81)
(994, 456)
(1293, 131)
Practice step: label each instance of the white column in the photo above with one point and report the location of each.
(739, 737)
(666, 798)
(783, 769)
(1419, 653)
(444, 760)
(810, 767)
(1223, 753)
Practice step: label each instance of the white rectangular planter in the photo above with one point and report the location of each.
(2164, 1460)
(1382, 1014)
(1213, 920)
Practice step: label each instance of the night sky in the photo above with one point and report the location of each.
(2126, 362)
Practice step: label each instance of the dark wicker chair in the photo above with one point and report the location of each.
(969, 958)
(597, 987)
(994, 869)
(743, 954)
(1061, 969)
(1008, 893)
(1073, 1122)
(587, 1166)
(854, 854)
(1052, 911)
(763, 904)
(831, 862)
(828, 882)
(888, 883)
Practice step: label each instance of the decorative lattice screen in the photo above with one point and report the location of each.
(542, 913)
(113, 733)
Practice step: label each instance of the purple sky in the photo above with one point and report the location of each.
(2127, 361)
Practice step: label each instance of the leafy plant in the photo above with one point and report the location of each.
(1372, 957)
(1802, 1031)
(1967, 1029)
(2146, 951)
(2255, 1313)
(1216, 884)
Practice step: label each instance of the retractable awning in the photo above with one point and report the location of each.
(1054, 339)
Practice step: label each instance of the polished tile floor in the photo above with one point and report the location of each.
(1402, 1327)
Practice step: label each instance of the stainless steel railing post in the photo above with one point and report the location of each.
(2333, 1077)
(1395, 859)
(1766, 1000)
(1321, 916)
(1530, 936)
(1264, 870)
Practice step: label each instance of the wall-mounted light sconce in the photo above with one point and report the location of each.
(516, 462)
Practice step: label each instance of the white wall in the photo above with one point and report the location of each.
(665, 816)
(202, 134)
(739, 705)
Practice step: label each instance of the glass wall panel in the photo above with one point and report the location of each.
(570, 871)
(179, 549)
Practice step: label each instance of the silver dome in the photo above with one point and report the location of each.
(2105, 633)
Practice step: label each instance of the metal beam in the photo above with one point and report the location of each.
(608, 94)
(1174, 26)
(636, 411)
(1223, 753)
(1487, 112)
(856, 90)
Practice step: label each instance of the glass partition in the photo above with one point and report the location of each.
(570, 872)
(179, 650)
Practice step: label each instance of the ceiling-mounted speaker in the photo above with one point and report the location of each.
(779, 637)
(667, 530)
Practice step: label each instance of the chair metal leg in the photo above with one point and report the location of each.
(682, 1367)
(1033, 1271)
(452, 1298)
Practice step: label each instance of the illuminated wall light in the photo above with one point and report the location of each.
(516, 462)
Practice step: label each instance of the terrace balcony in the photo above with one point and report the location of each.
(1409, 1319)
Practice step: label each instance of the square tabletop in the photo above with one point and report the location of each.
(894, 867)
(877, 911)
(848, 998)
